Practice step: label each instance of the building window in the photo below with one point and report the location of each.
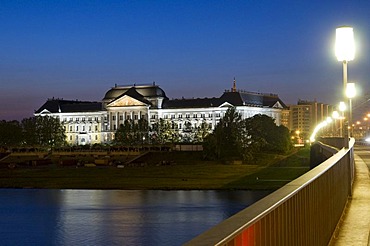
(135, 116)
(96, 137)
(96, 128)
(76, 128)
(113, 117)
(83, 128)
(180, 116)
(70, 128)
(195, 115)
(187, 116)
(173, 116)
(121, 117)
(83, 118)
(70, 138)
(114, 127)
(89, 128)
(77, 119)
(166, 116)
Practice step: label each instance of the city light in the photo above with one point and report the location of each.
(318, 128)
(345, 51)
(351, 90)
(344, 44)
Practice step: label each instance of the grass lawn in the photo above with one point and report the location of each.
(186, 171)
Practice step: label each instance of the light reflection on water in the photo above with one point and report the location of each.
(114, 217)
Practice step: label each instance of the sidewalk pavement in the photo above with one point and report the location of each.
(354, 226)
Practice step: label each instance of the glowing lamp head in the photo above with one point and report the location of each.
(351, 90)
(342, 106)
(335, 114)
(344, 44)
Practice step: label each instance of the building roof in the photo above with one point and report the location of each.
(192, 103)
(69, 106)
(235, 98)
(146, 91)
(132, 92)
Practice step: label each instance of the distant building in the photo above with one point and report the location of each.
(96, 122)
(306, 115)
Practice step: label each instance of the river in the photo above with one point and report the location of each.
(114, 217)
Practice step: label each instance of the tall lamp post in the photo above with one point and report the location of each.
(342, 108)
(350, 93)
(336, 116)
(345, 51)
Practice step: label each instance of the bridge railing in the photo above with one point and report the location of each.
(306, 211)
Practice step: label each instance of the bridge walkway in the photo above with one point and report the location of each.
(354, 226)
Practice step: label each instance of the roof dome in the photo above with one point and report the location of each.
(145, 90)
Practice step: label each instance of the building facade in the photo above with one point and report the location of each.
(306, 115)
(96, 122)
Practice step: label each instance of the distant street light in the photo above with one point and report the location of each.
(345, 51)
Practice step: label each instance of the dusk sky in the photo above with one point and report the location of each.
(80, 49)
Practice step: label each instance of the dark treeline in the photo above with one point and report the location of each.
(237, 139)
(232, 138)
(42, 131)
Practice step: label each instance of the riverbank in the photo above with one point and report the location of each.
(186, 172)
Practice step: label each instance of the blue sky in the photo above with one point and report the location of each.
(80, 49)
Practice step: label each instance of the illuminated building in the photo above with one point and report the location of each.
(306, 115)
(96, 122)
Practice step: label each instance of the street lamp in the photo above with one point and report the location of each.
(335, 116)
(342, 107)
(345, 51)
(350, 93)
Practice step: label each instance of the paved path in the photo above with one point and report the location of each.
(354, 226)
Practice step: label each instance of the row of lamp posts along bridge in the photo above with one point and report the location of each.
(345, 52)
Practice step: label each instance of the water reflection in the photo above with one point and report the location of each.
(114, 217)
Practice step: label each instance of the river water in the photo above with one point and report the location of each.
(114, 217)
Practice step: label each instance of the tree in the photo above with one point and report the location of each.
(226, 141)
(132, 133)
(43, 131)
(265, 134)
(10, 133)
(234, 138)
(201, 132)
(163, 131)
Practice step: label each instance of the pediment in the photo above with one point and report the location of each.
(45, 111)
(226, 104)
(277, 105)
(126, 101)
